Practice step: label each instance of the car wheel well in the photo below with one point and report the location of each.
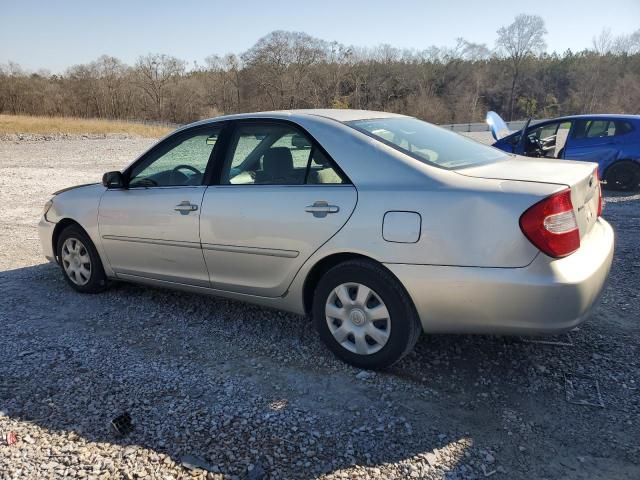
(319, 269)
(618, 162)
(59, 228)
(326, 264)
(634, 164)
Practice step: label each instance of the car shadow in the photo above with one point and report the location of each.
(237, 385)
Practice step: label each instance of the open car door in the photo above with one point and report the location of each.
(523, 141)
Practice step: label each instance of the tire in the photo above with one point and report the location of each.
(80, 262)
(623, 176)
(350, 333)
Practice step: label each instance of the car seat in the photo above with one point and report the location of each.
(277, 167)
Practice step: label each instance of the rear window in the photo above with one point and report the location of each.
(429, 144)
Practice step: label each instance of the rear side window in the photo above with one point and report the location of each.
(623, 127)
(276, 154)
(600, 128)
(427, 143)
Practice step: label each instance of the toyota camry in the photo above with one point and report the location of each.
(378, 226)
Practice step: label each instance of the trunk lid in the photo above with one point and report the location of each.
(579, 176)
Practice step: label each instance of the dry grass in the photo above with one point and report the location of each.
(54, 125)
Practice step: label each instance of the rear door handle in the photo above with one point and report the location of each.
(185, 207)
(320, 209)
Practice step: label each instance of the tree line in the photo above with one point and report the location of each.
(286, 70)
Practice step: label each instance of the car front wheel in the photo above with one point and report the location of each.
(364, 316)
(80, 261)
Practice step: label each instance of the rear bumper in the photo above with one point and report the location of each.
(548, 296)
(45, 232)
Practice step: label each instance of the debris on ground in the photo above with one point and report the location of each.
(488, 473)
(365, 375)
(122, 424)
(11, 438)
(583, 390)
(257, 471)
(191, 462)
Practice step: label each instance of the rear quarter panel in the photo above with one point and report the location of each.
(477, 226)
(466, 221)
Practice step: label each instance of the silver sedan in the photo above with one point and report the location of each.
(379, 226)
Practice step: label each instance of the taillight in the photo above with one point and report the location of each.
(551, 225)
(599, 193)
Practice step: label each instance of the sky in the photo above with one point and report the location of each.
(56, 34)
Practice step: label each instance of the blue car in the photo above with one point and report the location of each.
(613, 141)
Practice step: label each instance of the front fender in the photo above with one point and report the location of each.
(81, 206)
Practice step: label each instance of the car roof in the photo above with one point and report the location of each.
(340, 115)
(595, 115)
(604, 116)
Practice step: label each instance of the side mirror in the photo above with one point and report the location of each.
(113, 180)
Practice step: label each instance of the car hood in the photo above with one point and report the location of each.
(73, 188)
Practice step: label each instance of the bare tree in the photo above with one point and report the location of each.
(518, 41)
(155, 73)
(294, 70)
(603, 43)
(12, 87)
(627, 44)
(282, 61)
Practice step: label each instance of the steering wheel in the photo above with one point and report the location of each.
(535, 147)
(177, 169)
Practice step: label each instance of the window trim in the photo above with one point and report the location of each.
(229, 133)
(170, 142)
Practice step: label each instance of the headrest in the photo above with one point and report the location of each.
(277, 160)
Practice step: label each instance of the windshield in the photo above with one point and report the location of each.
(428, 143)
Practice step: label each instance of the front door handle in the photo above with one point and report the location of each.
(320, 209)
(185, 207)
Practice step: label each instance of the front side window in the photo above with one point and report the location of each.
(545, 131)
(275, 154)
(428, 143)
(551, 137)
(178, 164)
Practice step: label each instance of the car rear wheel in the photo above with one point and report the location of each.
(364, 316)
(80, 261)
(623, 176)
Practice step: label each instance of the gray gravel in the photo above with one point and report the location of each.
(251, 393)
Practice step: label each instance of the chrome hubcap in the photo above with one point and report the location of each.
(358, 318)
(76, 261)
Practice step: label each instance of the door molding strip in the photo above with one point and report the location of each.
(270, 252)
(152, 241)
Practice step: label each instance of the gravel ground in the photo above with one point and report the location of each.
(253, 394)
